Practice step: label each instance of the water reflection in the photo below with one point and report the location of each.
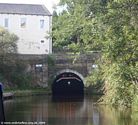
(26, 109)
(68, 111)
(53, 111)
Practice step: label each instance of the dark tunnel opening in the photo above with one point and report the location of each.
(68, 84)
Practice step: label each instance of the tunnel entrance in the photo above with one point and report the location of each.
(68, 84)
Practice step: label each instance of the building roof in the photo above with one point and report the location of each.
(24, 9)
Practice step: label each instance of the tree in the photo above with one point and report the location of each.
(68, 27)
(7, 48)
(7, 42)
(120, 52)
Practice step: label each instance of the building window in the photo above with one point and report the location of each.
(41, 24)
(42, 41)
(23, 22)
(6, 22)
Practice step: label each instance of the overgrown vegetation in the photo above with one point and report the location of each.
(13, 74)
(110, 27)
(12, 71)
(94, 82)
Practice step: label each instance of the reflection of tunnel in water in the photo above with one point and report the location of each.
(67, 84)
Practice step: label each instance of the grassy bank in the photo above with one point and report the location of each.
(45, 91)
(28, 92)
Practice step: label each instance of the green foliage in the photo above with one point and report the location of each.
(7, 42)
(50, 60)
(7, 46)
(135, 102)
(112, 28)
(94, 82)
(76, 28)
(21, 80)
(119, 89)
(11, 69)
(68, 27)
(94, 78)
(120, 54)
(13, 74)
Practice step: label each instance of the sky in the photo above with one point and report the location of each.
(48, 3)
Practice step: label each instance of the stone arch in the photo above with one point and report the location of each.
(68, 82)
(70, 70)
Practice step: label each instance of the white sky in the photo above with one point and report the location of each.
(48, 3)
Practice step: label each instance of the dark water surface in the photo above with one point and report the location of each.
(66, 112)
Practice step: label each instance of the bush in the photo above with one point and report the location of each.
(95, 78)
(119, 86)
(21, 80)
(13, 74)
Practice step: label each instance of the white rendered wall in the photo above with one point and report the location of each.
(30, 37)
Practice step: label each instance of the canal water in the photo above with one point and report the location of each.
(44, 110)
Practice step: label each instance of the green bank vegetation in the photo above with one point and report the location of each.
(21, 92)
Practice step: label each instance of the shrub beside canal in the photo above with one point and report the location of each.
(13, 74)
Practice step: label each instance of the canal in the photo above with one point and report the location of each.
(76, 111)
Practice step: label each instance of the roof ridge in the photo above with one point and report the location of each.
(21, 3)
(27, 9)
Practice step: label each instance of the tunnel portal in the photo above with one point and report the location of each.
(68, 84)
